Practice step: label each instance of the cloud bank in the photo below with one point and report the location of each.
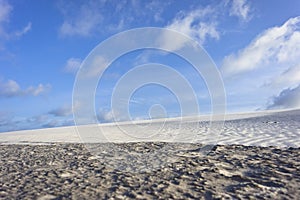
(275, 45)
(11, 88)
(268, 67)
(288, 98)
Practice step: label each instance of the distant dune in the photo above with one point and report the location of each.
(264, 128)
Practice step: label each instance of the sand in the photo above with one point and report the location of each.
(268, 128)
(64, 171)
(253, 156)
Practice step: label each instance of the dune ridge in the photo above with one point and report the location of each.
(269, 128)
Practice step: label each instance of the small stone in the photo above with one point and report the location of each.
(47, 197)
(66, 175)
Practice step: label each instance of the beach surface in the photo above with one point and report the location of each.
(253, 156)
(64, 171)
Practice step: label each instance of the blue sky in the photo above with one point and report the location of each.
(255, 45)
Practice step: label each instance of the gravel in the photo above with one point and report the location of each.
(148, 171)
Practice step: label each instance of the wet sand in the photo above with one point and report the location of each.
(64, 171)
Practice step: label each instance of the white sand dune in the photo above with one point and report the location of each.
(268, 128)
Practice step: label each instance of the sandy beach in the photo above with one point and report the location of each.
(64, 171)
(255, 156)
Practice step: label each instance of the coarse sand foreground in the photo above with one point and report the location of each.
(65, 171)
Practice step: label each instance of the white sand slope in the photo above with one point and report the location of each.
(276, 128)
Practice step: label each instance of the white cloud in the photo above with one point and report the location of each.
(198, 24)
(56, 122)
(93, 69)
(265, 68)
(107, 116)
(82, 20)
(7, 122)
(275, 45)
(290, 77)
(11, 122)
(288, 98)
(11, 88)
(241, 9)
(54, 118)
(52, 123)
(65, 110)
(290, 50)
(62, 111)
(5, 10)
(92, 16)
(157, 7)
(38, 119)
(24, 30)
(35, 91)
(72, 65)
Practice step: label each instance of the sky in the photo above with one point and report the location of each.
(254, 44)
